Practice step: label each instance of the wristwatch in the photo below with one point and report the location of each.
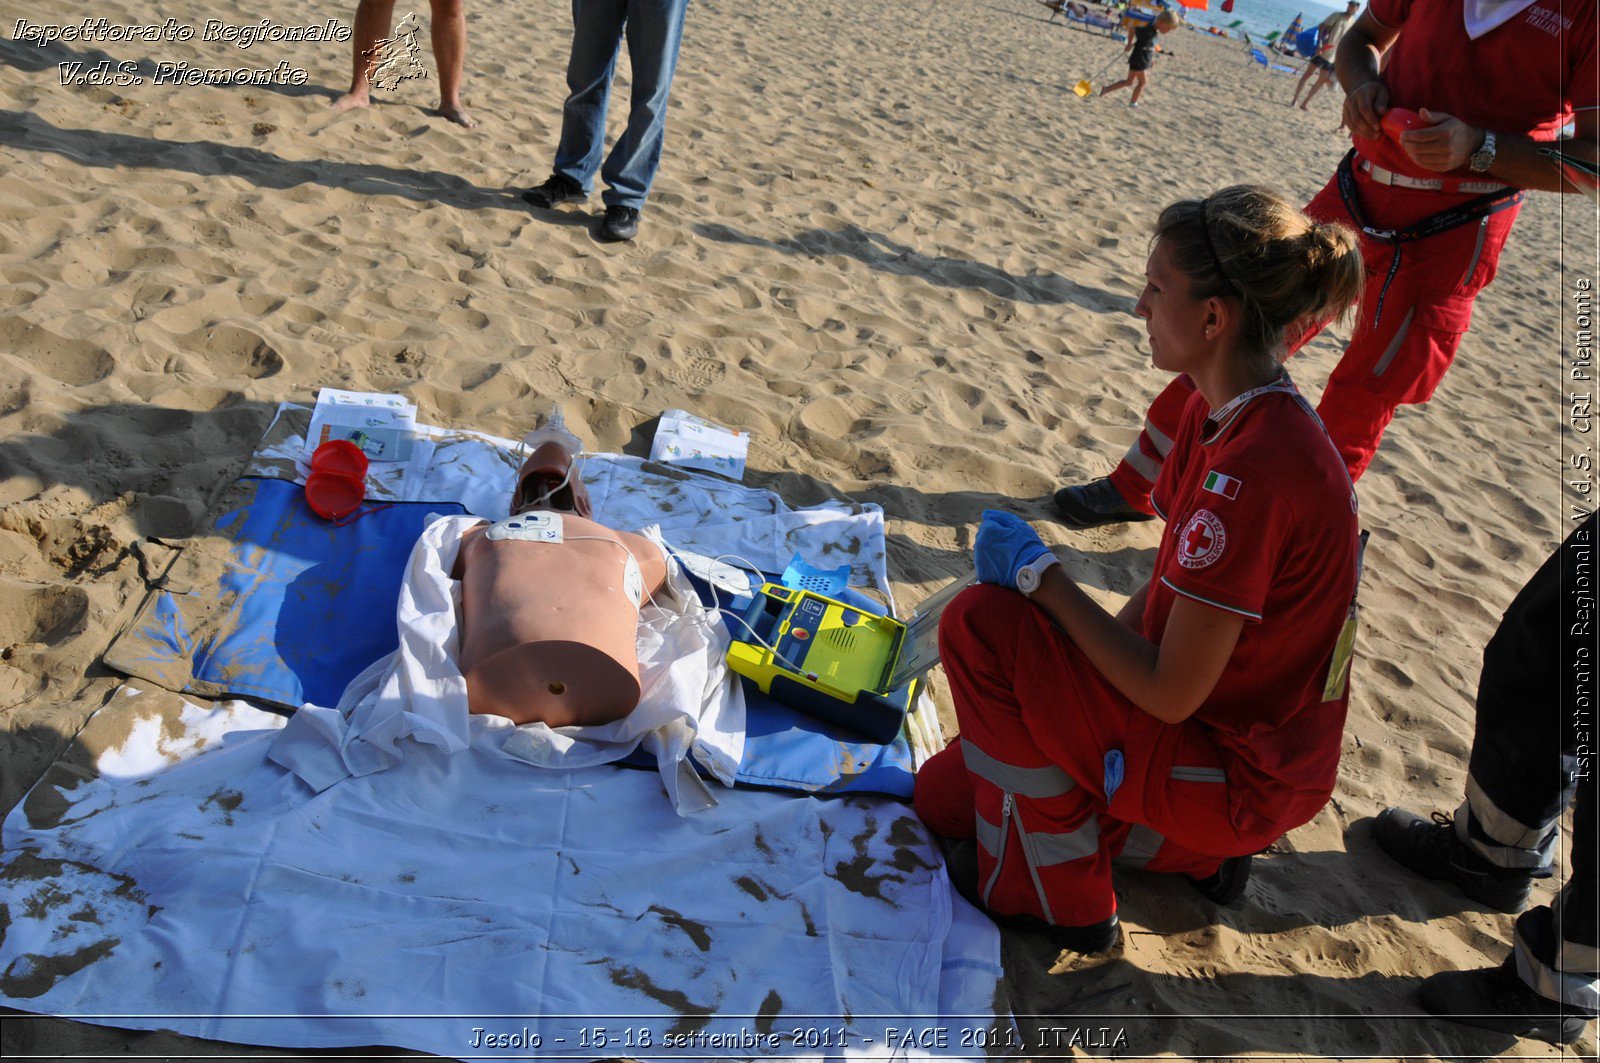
(1030, 576)
(1483, 158)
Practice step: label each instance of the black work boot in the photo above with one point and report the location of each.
(1494, 998)
(1227, 884)
(1095, 503)
(1431, 849)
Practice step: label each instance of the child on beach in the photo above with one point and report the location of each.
(1202, 721)
(1142, 46)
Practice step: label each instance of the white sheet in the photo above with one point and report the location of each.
(695, 512)
(167, 875)
(690, 701)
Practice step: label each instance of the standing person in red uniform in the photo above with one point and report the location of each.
(1202, 721)
(1493, 84)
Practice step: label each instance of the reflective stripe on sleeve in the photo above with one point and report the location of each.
(1142, 463)
(1162, 441)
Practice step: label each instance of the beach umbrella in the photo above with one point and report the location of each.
(1198, 5)
(1294, 27)
(1227, 7)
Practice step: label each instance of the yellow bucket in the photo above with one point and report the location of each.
(1083, 88)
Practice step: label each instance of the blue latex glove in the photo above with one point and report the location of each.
(1005, 544)
(1113, 778)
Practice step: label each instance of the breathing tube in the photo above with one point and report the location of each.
(554, 430)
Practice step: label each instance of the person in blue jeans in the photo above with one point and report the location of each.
(654, 29)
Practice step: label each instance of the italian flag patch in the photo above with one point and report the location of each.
(1221, 484)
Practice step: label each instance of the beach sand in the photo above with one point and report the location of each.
(886, 240)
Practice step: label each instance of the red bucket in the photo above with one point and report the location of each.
(338, 480)
(340, 456)
(333, 495)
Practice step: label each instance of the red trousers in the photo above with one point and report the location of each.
(1028, 776)
(1394, 358)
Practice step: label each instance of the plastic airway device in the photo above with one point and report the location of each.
(338, 480)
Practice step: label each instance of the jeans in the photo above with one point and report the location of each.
(654, 29)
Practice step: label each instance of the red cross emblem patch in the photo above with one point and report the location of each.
(1202, 540)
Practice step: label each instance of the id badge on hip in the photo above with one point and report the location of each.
(1343, 651)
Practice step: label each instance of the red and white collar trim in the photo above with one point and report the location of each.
(1219, 420)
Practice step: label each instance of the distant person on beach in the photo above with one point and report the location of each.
(1531, 756)
(372, 44)
(1329, 32)
(1142, 48)
(654, 30)
(1434, 204)
(1202, 721)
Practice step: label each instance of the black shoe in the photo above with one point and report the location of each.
(622, 223)
(1096, 937)
(961, 863)
(557, 189)
(1494, 998)
(1228, 883)
(1094, 503)
(1432, 849)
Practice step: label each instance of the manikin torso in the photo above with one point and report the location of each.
(548, 629)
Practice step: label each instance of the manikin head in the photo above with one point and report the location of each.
(549, 480)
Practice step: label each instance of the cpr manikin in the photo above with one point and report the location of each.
(550, 599)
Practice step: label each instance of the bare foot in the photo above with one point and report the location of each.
(459, 116)
(350, 101)
(1303, 105)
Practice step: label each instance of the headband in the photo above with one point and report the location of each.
(1216, 260)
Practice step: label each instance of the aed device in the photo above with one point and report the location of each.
(837, 662)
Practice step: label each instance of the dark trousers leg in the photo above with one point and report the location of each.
(1532, 753)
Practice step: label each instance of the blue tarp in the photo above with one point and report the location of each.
(302, 606)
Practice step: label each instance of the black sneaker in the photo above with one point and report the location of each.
(1494, 998)
(557, 189)
(622, 223)
(1227, 884)
(1432, 849)
(1094, 503)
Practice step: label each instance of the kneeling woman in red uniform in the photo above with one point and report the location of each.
(1203, 721)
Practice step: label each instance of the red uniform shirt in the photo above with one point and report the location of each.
(1527, 77)
(1261, 521)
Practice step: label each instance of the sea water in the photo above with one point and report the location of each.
(1261, 17)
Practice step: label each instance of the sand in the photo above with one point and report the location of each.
(889, 242)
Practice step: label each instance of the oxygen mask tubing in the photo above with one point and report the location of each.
(554, 430)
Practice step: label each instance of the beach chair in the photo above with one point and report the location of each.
(1079, 15)
(1261, 57)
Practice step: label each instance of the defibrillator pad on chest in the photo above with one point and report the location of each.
(528, 528)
